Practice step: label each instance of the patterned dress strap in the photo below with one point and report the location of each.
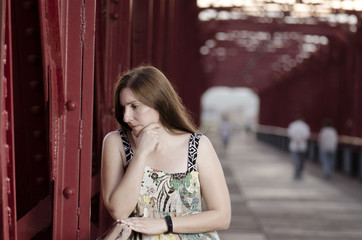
(126, 146)
(193, 148)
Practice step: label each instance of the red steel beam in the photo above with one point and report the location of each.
(7, 158)
(74, 189)
(30, 111)
(87, 84)
(66, 185)
(113, 56)
(68, 33)
(54, 79)
(4, 222)
(142, 24)
(183, 54)
(159, 39)
(39, 215)
(321, 28)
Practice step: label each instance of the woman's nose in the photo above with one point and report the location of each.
(126, 115)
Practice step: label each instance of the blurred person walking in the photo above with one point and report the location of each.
(225, 132)
(298, 132)
(328, 141)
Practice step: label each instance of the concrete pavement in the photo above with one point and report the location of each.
(268, 204)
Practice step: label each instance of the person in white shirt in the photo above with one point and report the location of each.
(299, 133)
(328, 141)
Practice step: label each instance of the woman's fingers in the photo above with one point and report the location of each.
(149, 129)
(146, 225)
(154, 125)
(148, 139)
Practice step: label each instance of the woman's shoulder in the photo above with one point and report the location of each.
(113, 137)
(204, 143)
(203, 138)
(112, 143)
(192, 136)
(207, 156)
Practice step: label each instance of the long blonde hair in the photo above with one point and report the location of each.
(152, 88)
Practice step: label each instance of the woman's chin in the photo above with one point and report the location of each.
(135, 133)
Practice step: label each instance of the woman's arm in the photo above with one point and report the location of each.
(120, 192)
(121, 189)
(214, 191)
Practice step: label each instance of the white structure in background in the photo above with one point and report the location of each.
(240, 104)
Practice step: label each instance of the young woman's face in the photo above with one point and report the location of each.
(136, 114)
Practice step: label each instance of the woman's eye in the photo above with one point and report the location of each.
(134, 107)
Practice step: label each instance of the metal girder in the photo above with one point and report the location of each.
(68, 30)
(159, 39)
(30, 119)
(257, 67)
(292, 45)
(112, 57)
(322, 28)
(7, 159)
(326, 87)
(142, 32)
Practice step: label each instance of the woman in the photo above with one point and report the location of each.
(155, 168)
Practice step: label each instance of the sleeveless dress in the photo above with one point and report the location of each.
(174, 194)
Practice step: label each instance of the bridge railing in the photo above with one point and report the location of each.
(348, 155)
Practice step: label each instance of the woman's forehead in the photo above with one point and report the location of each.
(127, 96)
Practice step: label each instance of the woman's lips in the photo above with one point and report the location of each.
(134, 126)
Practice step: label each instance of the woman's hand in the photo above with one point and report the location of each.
(148, 139)
(146, 225)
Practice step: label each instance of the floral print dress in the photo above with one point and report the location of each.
(174, 194)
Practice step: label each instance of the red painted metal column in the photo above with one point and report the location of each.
(65, 124)
(33, 188)
(159, 37)
(358, 83)
(69, 34)
(7, 168)
(142, 24)
(53, 65)
(113, 56)
(115, 34)
(183, 56)
(88, 11)
(73, 188)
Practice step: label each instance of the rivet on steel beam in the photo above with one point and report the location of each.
(39, 158)
(35, 110)
(10, 214)
(29, 31)
(32, 59)
(68, 192)
(28, 5)
(5, 47)
(6, 118)
(34, 85)
(7, 151)
(8, 185)
(115, 16)
(71, 105)
(37, 134)
(40, 180)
